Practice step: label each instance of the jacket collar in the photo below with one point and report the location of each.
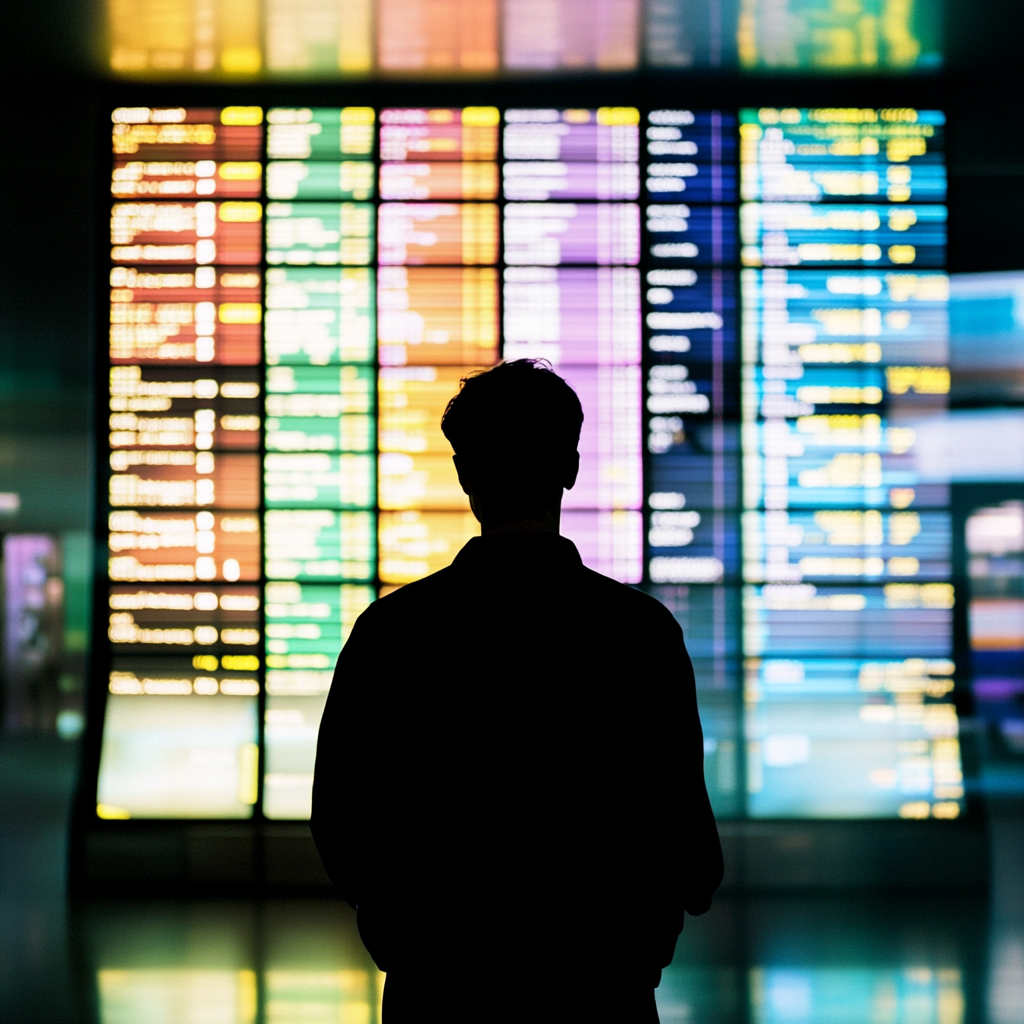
(519, 553)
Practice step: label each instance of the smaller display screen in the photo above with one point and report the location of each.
(320, 409)
(191, 619)
(414, 544)
(183, 479)
(324, 234)
(437, 233)
(571, 154)
(419, 481)
(846, 544)
(165, 179)
(319, 316)
(187, 134)
(823, 316)
(561, 180)
(437, 316)
(832, 156)
(691, 546)
(610, 542)
(684, 235)
(691, 156)
(607, 135)
(188, 233)
(792, 234)
(319, 133)
(439, 181)
(318, 480)
(572, 316)
(158, 407)
(320, 544)
(691, 312)
(412, 401)
(179, 741)
(832, 738)
(834, 460)
(611, 469)
(803, 620)
(193, 314)
(297, 179)
(548, 234)
(439, 134)
(175, 547)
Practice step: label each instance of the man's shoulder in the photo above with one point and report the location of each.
(412, 598)
(628, 600)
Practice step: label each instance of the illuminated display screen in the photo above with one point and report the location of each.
(547, 235)
(816, 156)
(791, 234)
(317, 316)
(204, 315)
(751, 306)
(288, 39)
(848, 709)
(437, 315)
(186, 233)
(691, 152)
(319, 233)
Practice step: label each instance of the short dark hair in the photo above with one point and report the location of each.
(519, 416)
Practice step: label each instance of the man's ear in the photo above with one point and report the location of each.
(571, 471)
(462, 468)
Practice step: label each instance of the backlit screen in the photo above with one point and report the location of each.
(317, 40)
(750, 304)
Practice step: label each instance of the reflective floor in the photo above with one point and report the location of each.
(940, 959)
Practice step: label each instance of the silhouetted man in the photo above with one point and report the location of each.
(509, 778)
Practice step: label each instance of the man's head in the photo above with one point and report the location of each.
(515, 430)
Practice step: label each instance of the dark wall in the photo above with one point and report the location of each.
(54, 93)
(47, 182)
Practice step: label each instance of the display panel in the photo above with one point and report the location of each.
(247, 39)
(306, 626)
(994, 538)
(201, 315)
(586, 322)
(848, 709)
(427, 35)
(750, 297)
(318, 316)
(830, 35)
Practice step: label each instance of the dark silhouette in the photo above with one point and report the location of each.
(509, 778)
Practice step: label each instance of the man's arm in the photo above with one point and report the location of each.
(340, 780)
(697, 850)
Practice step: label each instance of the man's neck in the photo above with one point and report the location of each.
(548, 524)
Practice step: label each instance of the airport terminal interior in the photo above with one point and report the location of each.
(250, 248)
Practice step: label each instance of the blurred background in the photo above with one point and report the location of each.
(829, 914)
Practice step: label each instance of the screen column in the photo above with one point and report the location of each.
(572, 296)
(437, 321)
(320, 444)
(180, 725)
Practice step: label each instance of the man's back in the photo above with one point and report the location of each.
(511, 746)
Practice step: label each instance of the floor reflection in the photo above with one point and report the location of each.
(828, 958)
(208, 962)
(781, 960)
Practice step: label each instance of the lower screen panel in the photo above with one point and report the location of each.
(290, 733)
(179, 745)
(852, 739)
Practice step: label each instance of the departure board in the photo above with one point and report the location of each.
(751, 306)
